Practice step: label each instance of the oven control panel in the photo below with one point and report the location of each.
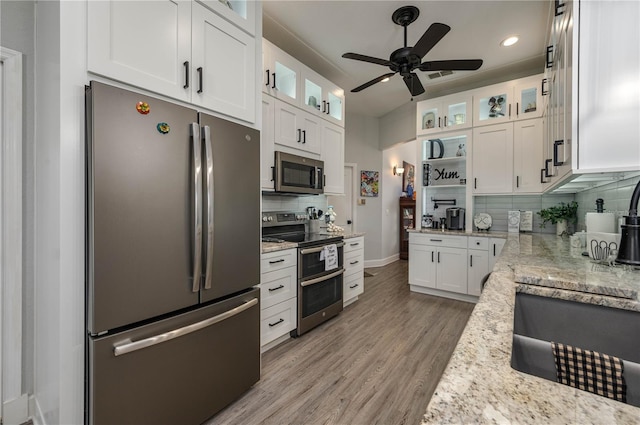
(280, 218)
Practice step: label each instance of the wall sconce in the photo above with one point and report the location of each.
(397, 170)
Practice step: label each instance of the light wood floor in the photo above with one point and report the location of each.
(377, 362)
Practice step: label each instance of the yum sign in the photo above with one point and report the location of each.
(443, 174)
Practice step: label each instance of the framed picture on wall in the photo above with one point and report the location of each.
(369, 182)
(408, 177)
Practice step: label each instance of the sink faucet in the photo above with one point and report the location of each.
(629, 252)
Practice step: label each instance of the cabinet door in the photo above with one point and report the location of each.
(242, 13)
(429, 116)
(528, 98)
(422, 266)
(478, 268)
(451, 272)
(285, 72)
(457, 111)
(333, 157)
(493, 159)
(335, 107)
(142, 43)
(492, 105)
(527, 155)
(223, 66)
(495, 248)
(267, 143)
(296, 129)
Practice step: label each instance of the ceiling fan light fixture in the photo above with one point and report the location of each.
(510, 41)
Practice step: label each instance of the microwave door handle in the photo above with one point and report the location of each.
(319, 184)
(197, 206)
(209, 187)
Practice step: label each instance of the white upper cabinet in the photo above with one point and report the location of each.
(527, 156)
(223, 70)
(180, 49)
(333, 157)
(444, 113)
(320, 96)
(143, 43)
(267, 143)
(297, 129)
(242, 13)
(492, 159)
(514, 100)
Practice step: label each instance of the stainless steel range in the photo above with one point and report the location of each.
(320, 266)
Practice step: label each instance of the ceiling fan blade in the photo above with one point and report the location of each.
(452, 65)
(372, 82)
(413, 84)
(365, 58)
(430, 38)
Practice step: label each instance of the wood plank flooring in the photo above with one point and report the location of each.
(377, 362)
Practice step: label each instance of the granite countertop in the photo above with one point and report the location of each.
(280, 246)
(479, 385)
(486, 234)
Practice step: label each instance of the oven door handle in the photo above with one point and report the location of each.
(321, 278)
(306, 251)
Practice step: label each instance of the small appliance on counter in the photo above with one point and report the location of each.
(600, 221)
(455, 218)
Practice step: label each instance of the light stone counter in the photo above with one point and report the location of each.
(479, 385)
(280, 246)
(486, 234)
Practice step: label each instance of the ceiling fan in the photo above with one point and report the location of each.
(407, 59)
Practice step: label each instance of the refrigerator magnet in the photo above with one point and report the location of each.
(143, 108)
(163, 127)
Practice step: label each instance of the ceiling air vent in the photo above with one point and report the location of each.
(439, 74)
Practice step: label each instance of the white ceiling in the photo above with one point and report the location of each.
(319, 32)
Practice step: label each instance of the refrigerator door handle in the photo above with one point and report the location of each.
(129, 346)
(209, 182)
(197, 207)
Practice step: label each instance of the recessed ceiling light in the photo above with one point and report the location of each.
(384, 80)
(509, 41)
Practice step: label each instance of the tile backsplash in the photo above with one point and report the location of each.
(293, 203)
(616, 197)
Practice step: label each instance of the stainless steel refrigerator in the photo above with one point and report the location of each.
(173, 254)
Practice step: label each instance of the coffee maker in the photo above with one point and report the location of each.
(455, 218)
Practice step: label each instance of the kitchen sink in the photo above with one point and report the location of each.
(540, 320)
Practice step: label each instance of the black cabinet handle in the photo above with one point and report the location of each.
(544, 81)
(324, 106)
(355, 244)
(549, 58)
(435, 240)
(277, 323)
(546, 167)
(445, 120)
(558, 6)
(328, 108)
(494, 250)
(199, 79)
(432, 256)
(555, 152)
(517, 181)
(354, 286)
(277, 261)
(299, 135)
(542, 173)
(471, 260)
(349, 222)
(517, 109)
(438, 256)
(186, 75)
(475, 183)
(354, 262)
(268, 80)
(509, 110)
(276, 288)
(439, 124)
(304, 136)
(273, 85)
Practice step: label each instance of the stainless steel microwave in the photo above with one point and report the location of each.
(297, 174)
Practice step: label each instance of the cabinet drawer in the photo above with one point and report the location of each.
(353, 244)
(277, 260)
(277, 286)
(478, 243)
(353, 285)
(353, 262)
(277, 320)
(438, 240)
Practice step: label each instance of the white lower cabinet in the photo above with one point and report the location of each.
(353, 279)
(495, 248)
(278, 295)
(450, 266)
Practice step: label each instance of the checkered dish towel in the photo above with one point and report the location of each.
(590, 371)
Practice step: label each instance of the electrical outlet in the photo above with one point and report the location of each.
(362, 201)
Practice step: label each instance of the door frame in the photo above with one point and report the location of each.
(14, 404)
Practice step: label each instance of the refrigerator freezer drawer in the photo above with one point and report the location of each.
(182, 369)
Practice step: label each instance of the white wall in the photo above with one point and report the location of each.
(392, 191)
(59, 212)
(361, 147)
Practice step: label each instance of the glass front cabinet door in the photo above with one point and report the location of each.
(515, 100)
(444, 113)
(322, 97)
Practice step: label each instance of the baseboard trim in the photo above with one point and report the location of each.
(443, 294)
(382, 262)
(16, 411)
(35, 413)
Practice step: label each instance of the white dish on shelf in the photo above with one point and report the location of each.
(482, 221)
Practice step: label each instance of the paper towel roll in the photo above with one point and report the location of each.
(600, 222)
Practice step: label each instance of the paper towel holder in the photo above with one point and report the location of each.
(629, 252)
